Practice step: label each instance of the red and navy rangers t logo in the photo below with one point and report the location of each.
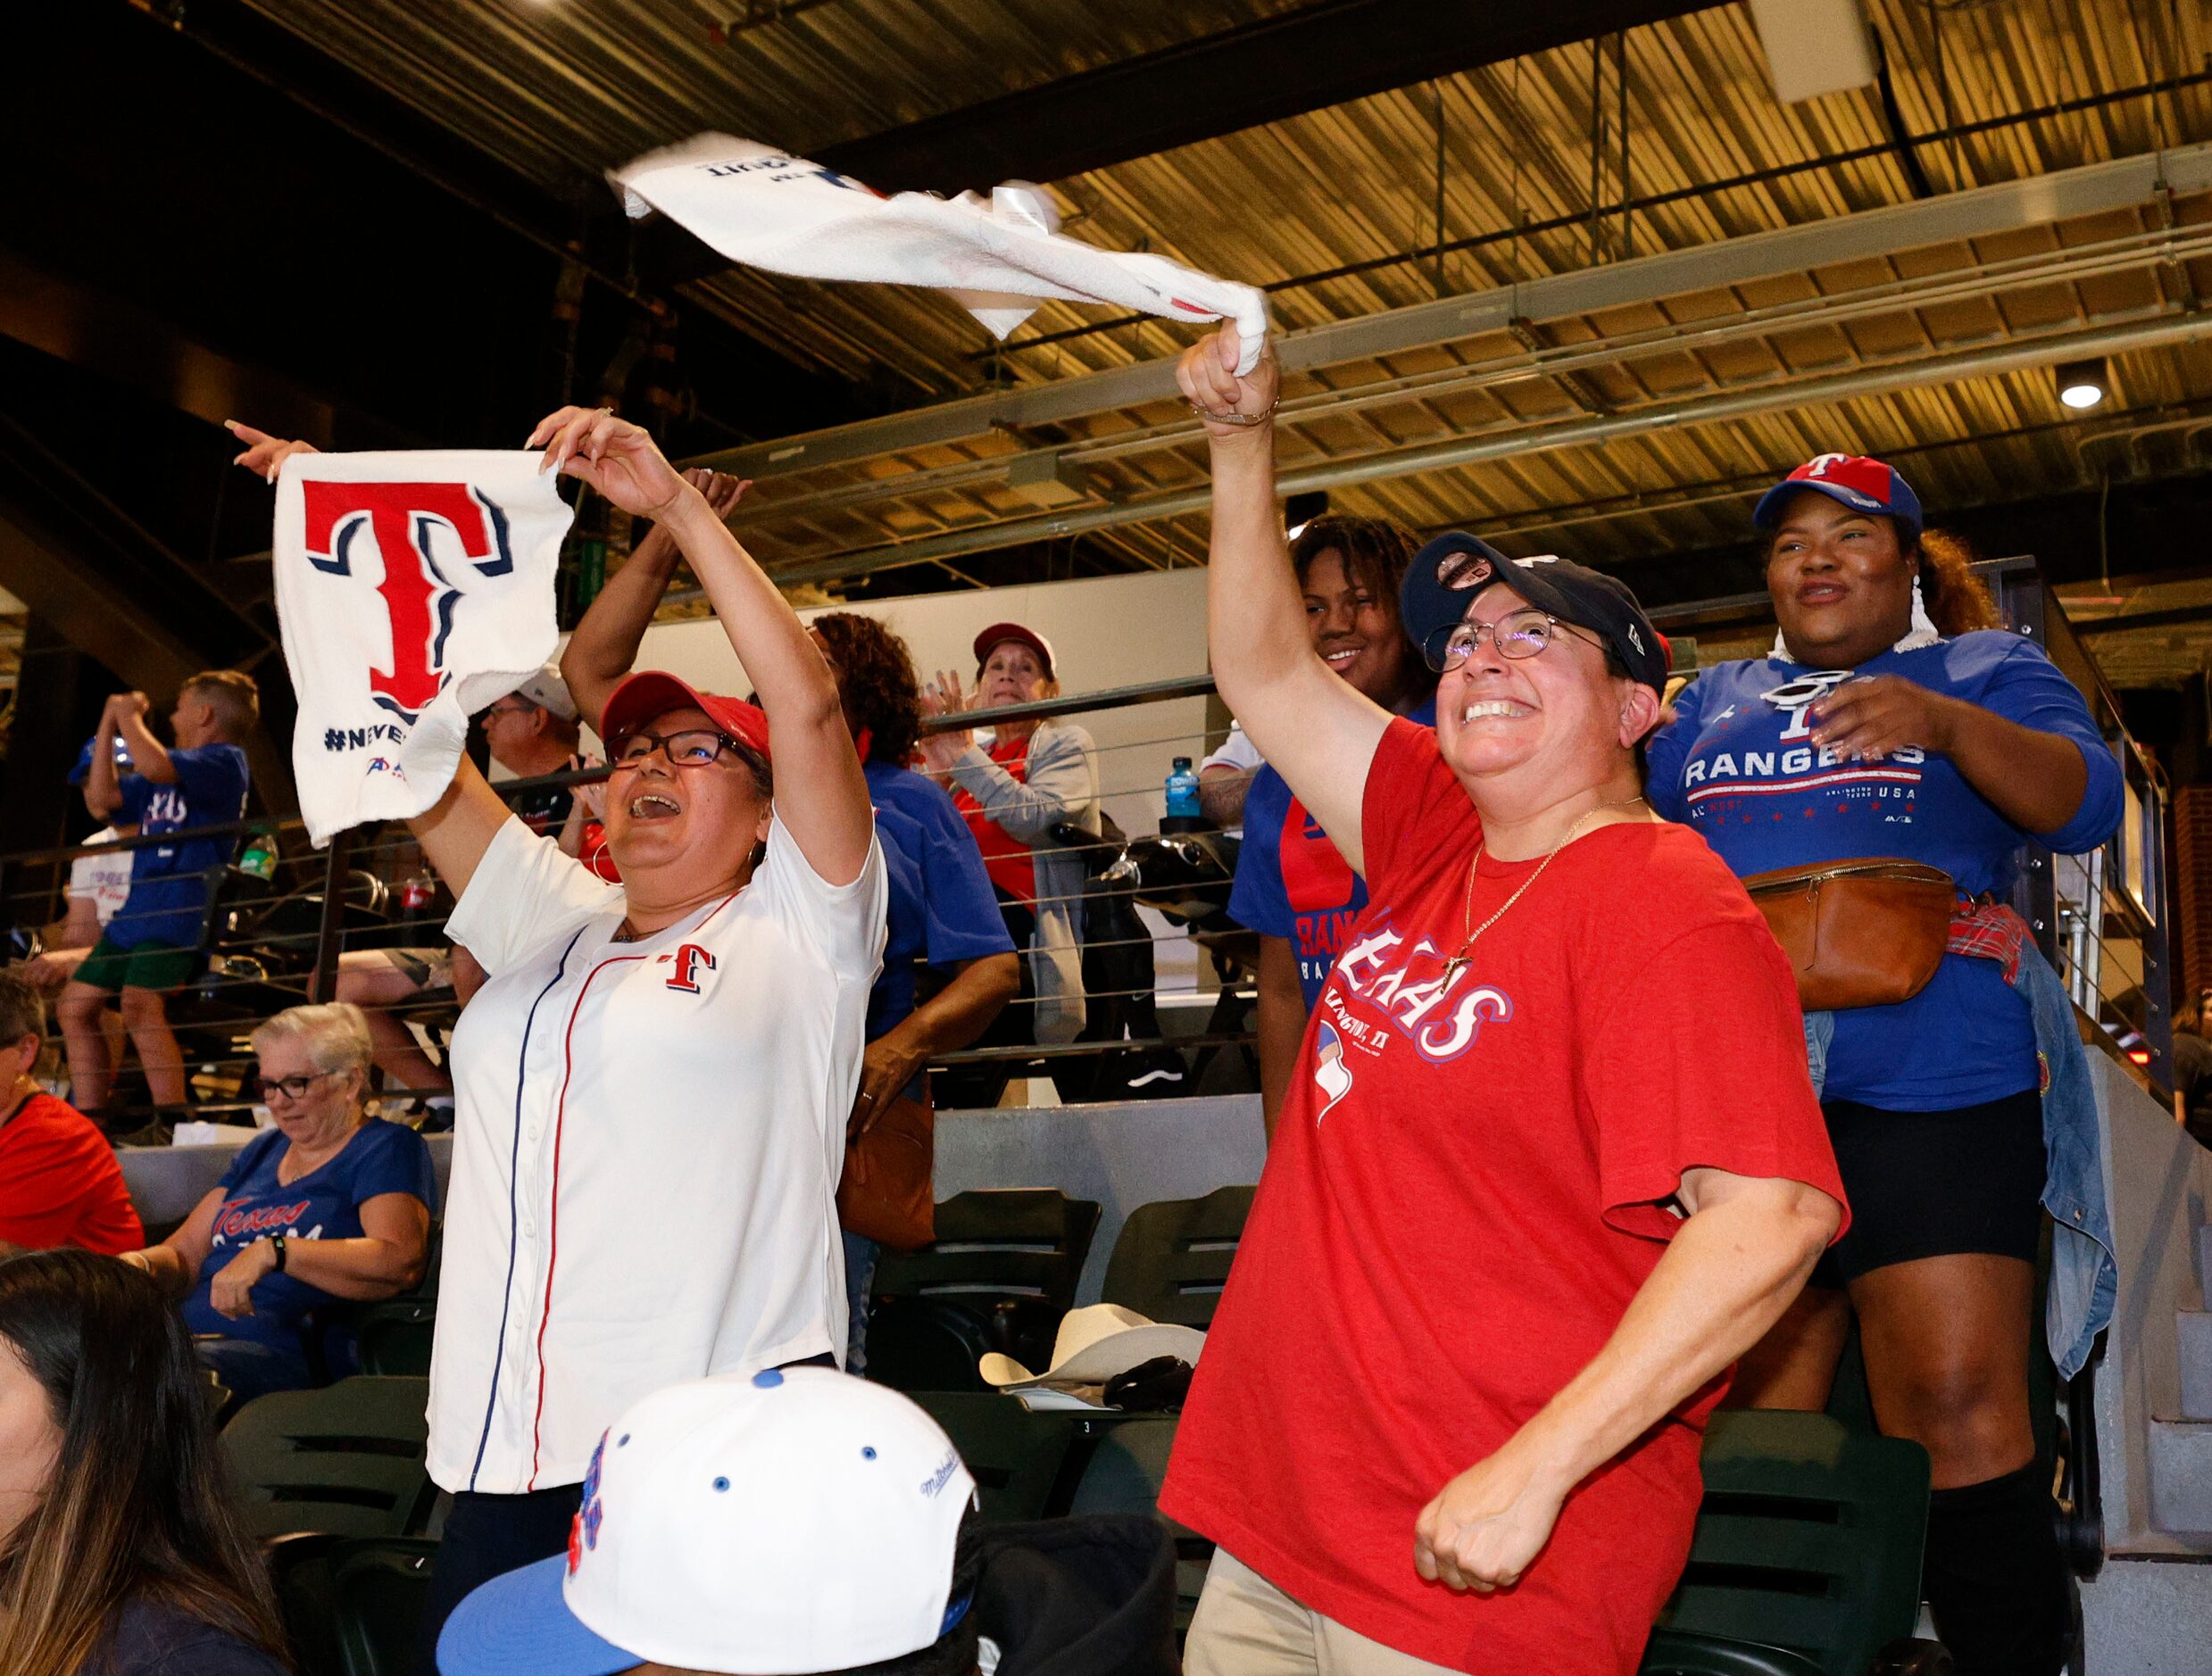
(404, 518)
(689, 961)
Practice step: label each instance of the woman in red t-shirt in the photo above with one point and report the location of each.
(60, 1184)
(1551, 1160)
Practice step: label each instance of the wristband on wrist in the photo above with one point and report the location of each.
(276, 1242)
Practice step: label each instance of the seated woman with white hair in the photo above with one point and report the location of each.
(328, 1204)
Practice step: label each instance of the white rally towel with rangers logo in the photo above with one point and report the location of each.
(769, 209)
(413, 590)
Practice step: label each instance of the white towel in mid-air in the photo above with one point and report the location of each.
(413, 589)
(767, 209)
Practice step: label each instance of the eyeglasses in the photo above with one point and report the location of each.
(506, 709)
(292, 1087)
(1517, 634)
(693, 748)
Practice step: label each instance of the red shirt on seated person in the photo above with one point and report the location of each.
(59, 1182)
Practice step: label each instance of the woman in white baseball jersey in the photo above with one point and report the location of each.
(653, 1086)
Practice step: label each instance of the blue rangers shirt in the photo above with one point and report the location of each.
(1291, 881)
(168, 881)
(1738, 766)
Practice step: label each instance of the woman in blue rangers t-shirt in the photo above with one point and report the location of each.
(328, 1204)
(1872, 732)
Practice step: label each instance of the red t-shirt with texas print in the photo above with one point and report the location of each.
(1461, 1198)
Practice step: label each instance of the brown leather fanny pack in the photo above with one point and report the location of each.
(1866, 932)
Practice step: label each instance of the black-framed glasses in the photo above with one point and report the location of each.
(505, 709)
(1517, 634)
(292, 1088)
(690, 748)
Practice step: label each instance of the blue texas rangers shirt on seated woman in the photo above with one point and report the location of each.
(324, 1204)
(1291, 882)
(1738, 766)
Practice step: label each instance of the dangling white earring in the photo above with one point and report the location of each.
(1924, 631)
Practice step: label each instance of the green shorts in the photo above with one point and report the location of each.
(151, 965)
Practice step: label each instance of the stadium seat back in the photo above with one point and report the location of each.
(392, 1338)
(1808, 1540)
(379, 1588)
(1127, 1465)
(347, 1459)
(1014, 1456)
(1007, 1258)
(1173, 1257)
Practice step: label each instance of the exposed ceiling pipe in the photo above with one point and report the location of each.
(2156, 332)
(1983, 213)
(1954, 285)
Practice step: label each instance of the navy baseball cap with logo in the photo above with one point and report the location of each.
(1447, 575)
(1863, 485)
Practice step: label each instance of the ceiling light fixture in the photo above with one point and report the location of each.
(2083, 384)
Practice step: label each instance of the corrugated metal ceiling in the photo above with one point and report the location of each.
(562, 90)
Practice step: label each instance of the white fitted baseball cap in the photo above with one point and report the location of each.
(795, 1521)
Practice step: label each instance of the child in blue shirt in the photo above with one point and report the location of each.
(152, 945)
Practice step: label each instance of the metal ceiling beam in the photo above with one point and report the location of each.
(1259, 72)
(2009, 206)
(2152, 333)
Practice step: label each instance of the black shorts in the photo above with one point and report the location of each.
(1933, 1183)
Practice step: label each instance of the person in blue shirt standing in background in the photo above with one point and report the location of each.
(945, 929)
(1292, 885)
(1893, 719)
(152, 945)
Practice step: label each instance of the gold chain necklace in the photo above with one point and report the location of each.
(1453, 966)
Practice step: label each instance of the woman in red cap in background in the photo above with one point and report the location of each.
(652, 1087)
(1034, 776)
(1895, 718)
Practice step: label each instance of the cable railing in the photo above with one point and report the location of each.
(283, 936)
(1154, 948)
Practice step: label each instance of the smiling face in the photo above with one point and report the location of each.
(1357, 634)
(1841, 586)
(682, 831)
(1011, 674)
(1562, 714)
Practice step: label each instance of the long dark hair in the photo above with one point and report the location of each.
(136, 1507)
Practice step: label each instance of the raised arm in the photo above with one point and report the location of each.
(1726, 1277)
(104, 792)
(1318, 733)
(455, 831)
(820, 798)
(600, 652)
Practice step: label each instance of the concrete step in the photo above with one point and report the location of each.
(2193, 1328)
(2181, 1477)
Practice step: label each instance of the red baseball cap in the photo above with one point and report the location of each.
(651, 693)
(1001, 632)
(1863, 485)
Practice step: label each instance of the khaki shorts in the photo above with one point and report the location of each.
(1245, 1626)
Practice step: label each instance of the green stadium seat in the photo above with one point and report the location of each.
(1001, 1273)
(346, 1459)
(1128, 1465)
(1808, 1542)
(394, 1337)
(1015, 1457)
(1173, 1255)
